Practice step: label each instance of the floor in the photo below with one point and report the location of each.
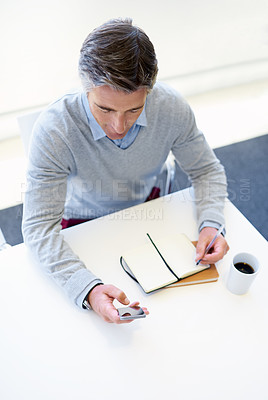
(225, 116)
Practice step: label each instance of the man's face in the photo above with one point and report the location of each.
(116, 111)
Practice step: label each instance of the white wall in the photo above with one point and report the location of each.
(200, 45)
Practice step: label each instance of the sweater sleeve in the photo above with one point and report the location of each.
(50, 163)
(207, 175)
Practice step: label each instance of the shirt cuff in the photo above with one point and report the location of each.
(86, 305)
(212, 224)
(86, 291)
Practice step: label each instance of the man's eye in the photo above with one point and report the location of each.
(104, 110)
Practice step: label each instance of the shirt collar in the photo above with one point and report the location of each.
(96, 129)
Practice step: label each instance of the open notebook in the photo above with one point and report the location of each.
(170, 261)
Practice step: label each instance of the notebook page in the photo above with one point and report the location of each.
(179, 253)
(148, 268)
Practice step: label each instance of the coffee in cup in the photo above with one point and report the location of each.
(243, 270)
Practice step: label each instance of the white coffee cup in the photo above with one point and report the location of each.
(238, 281)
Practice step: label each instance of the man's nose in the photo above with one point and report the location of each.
(119, 123)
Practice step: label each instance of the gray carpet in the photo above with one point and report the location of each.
(246, 165)
(10, 224)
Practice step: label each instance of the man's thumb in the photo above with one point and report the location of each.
(122, 298)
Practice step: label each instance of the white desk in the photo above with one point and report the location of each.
(199, 342)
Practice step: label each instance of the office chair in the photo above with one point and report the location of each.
(26, 123)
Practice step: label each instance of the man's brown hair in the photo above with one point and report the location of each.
(119, 55)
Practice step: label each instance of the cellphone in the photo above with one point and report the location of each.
(126, 313)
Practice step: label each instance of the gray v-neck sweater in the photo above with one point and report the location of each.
(71, 175)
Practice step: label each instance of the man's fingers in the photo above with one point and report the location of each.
(101, 299)
(217, 251)
(121, 297)
(115, 293)
(200, 249)
(134, 304)
(213, 256)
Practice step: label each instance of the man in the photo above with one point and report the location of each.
(101, 150)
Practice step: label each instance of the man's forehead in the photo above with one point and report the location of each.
(107, 97)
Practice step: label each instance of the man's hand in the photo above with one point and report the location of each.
(101, 300)
(218, 250)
